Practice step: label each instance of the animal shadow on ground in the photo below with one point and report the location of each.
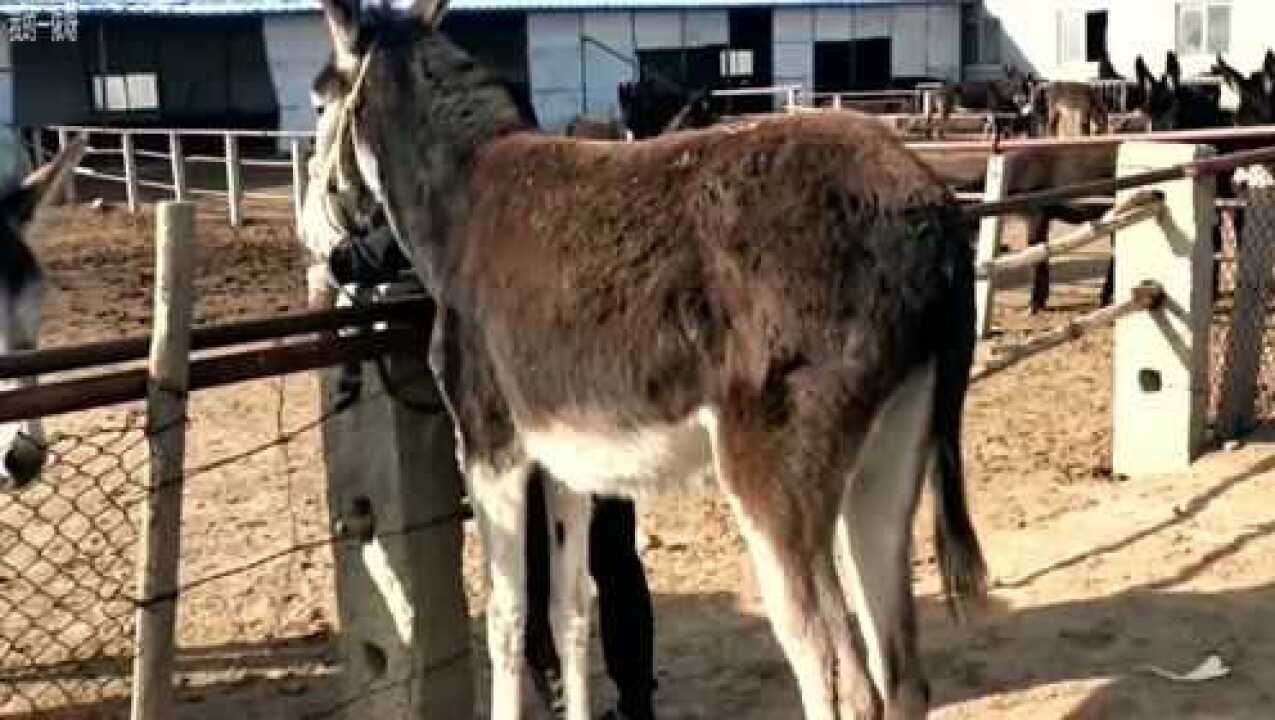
(1080, 659)
(286, 679)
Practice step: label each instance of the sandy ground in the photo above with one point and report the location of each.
(1095, 576)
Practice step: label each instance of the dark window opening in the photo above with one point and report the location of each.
(852, 65)
(1095, 35)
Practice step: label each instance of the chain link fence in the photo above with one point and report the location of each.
(66, 573)
(1242, 342)
(253, 589)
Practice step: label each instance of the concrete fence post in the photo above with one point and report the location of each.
(1160, 388)
(995, 187)
(395, 495)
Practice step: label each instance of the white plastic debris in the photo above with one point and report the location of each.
(1212, 668)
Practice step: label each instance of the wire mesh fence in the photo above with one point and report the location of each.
(255, 600)
(1242, 342)
(66, 594)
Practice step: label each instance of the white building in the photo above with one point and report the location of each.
(578, 50)
(1063, 39)
(258, 57)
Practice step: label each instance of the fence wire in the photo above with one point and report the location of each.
(1242, 343)
(68, 555)
(67, 572)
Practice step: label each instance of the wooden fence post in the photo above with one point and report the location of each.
(178, 161)
(394, 493)
(234, 182)
(299, 178)
(68, 190)
(130, 170)
(989, 238)
(1160, 385)
(160, 548)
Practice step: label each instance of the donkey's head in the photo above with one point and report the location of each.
(402, 111)
(1256, 92)
(22, 451)
(1168, 104)
(1159, 97)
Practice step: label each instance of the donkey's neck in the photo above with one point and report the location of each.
(459, 108)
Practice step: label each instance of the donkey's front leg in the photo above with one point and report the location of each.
(570, 594)
(499, 498)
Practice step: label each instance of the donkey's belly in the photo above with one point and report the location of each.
(601, 458)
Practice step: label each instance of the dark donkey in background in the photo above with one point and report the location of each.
(784, 304)
(1166, 103)
(22, 451)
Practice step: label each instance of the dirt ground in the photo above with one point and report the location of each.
(1095, 577)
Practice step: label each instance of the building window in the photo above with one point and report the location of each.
(132, 92)
(980, 36)
(1095, 35)
(1082, 36)
(736, 63)
(1204, 27)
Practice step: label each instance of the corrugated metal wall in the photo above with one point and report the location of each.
(925, 39)
(296, 48)
(572, 74)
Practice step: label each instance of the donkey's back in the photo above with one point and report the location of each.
(699, 259)
(674, 272)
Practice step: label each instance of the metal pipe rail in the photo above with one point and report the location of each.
(416, 309)
(1145, 204)
(1108, 186)
(129, 385)
(1146, 296)
(302, 134)
(1256, 132)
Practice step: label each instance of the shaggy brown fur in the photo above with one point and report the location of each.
(709, 226)
(772, 287)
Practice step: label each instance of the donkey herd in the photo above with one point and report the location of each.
(782, 305)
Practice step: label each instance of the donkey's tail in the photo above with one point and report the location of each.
(960, 556)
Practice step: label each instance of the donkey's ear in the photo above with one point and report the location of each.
(20, 204)
(1171, 68)
(1229, 74)
(343, 25)
(430, 12)
(1141, 70)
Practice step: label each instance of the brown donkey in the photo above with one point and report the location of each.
(785, 304)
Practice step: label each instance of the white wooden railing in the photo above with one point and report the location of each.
(178, 187)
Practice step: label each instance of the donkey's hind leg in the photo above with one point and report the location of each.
(499, 498)
(569, 514)
(878, 508)
(781, 478)
(1038, 233)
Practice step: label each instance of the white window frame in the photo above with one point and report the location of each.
(1205, 9)
(737, 63)
(1075, 20)
(125, 92)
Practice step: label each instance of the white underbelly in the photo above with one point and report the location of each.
(599, 458)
